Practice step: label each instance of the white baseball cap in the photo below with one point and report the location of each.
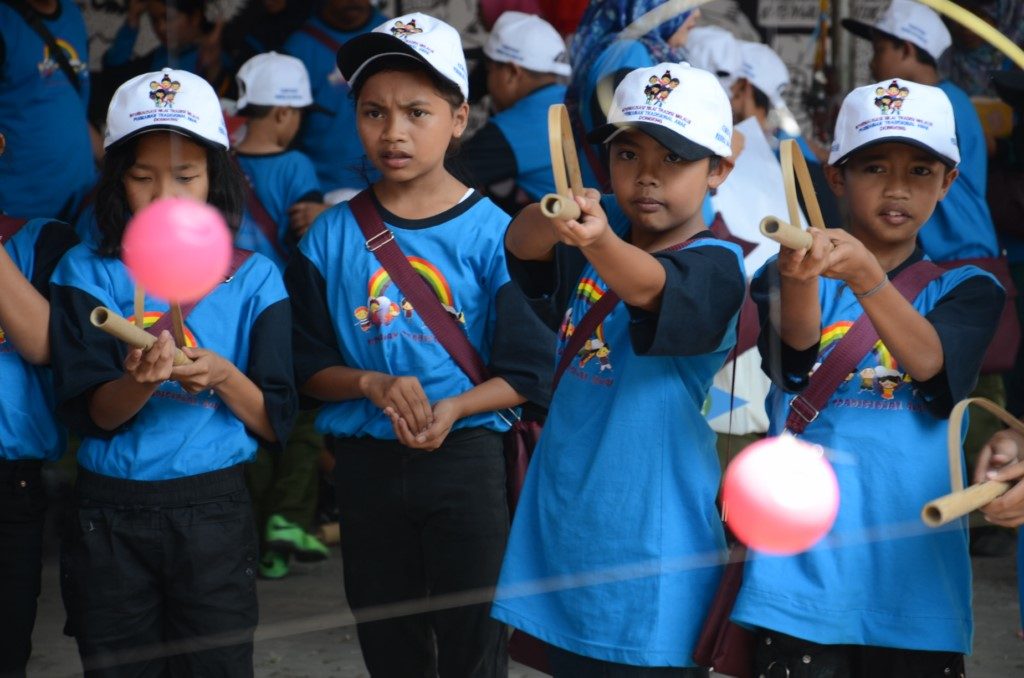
(172, 100)
(896, 110)
(765, 70)
(530, 42)
(716, 50)
(910, 21)
(693, 123)
(417, 36)
(274, 79)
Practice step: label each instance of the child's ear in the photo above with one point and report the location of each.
(948, 178)
(719, 172)
(836, 179)
(460, 118)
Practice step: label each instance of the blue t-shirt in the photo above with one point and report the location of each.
(358, 317)
(280, 180)
(880, 578)
(245, 320)
(330, 139)
(522, 124)
(615, 548)
(48, 166)
(961, 226)
(28, 427)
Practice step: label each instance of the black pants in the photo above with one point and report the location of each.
(565, 664)
(415, 525)
(159, 577)
(782, 656)
(22, 511)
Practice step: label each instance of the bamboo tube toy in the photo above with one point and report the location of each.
(565, 165)
(785, 234)
(962, 501)
(116, 326)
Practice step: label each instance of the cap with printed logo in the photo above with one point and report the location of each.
(273, 79)
(910, 21)
(530, 42)
(417, 36)
(716, 50)
(764, 69)
(896, 111)
(172, 100)
(683, 108)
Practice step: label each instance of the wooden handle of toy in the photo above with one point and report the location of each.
(957, 504)
(565, 167)
(795, 174)
(116, 326)
(785, 234)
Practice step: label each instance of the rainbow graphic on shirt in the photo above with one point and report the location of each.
(150, 317)
(882, 379)
(595, 348)
(3, 338)
(380, 309)
(48, 66)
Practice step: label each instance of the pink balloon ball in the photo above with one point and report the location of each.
(781, 495)
(177, 249)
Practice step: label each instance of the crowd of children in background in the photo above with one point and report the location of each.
(394, 274)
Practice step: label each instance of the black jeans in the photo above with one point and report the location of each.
(417, 527)
(22, 511)
(565, 664)
(159, 577)
(782, 656)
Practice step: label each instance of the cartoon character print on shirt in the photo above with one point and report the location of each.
(49, 64)
(889, 100)
(163, 92)
(659, 89)
(868, 386)
(403, 30)
(384, 303)
(595, 349)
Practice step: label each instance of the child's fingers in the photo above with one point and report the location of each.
(983, 467)
(1008, 473)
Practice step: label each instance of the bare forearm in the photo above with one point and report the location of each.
(333, 384)
(799, 313)
(490, 396)
(635, 275)
(245, 399)
(24, 313)
(117, 401)
(530, 237)
(907, 334)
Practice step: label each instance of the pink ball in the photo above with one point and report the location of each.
(781, 495)
(177, 249)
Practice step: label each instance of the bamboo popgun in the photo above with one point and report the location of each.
(116, 326)
(565, 165)
(794, 169)
(962, 501)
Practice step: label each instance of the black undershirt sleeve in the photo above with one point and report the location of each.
(270, 368)
(314, 342)
(484, 159)
(523, 348)
(55, 238)
(548, 285)
(787, 367)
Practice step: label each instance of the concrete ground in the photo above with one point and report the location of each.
(306, 632)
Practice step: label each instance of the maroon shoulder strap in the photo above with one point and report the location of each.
(381, 242)
(259, 212)
(590, 322)
(850, 350)
(238, 259)
(321, 36)
(9, 226)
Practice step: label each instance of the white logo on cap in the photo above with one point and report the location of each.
(889, 100)
(659, 89)
(403, 30)
(163, 92)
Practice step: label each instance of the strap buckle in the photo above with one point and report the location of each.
(802, 408)
(379, 240)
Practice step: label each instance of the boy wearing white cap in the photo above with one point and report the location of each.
(420, 470)
(621, 489)
(526, 65)
(873, 600)
(282, 199)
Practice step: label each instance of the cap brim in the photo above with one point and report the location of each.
(949, 162)
(1010, 87)
(678, 144)
(858, 28)
(166, 128)
(356, 54)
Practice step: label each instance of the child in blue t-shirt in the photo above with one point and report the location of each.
(29, 433)
(283, 197)
(614, 553)
(884, 596)
(526, 64)
(420, 471)
(162, 547)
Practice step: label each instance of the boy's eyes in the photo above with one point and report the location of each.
(623, 154)
(418, 113)
(921, 170)
(673, 158)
